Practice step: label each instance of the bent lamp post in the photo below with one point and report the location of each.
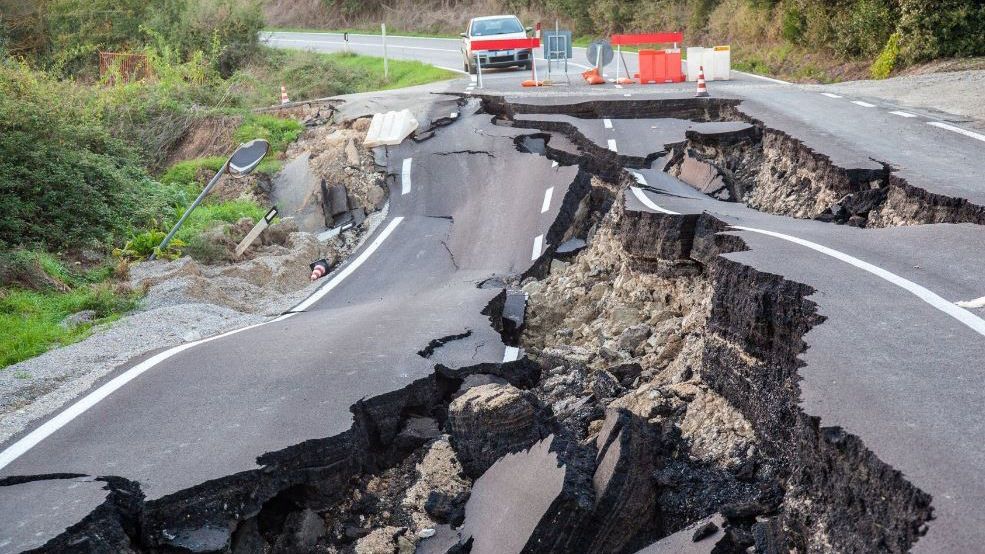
(244, 160)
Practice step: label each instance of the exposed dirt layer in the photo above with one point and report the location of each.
(659, 389)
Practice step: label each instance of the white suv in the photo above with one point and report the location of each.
(495, 27)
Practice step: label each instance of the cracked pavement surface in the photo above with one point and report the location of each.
(885, 365)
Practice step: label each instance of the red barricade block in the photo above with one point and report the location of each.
(660, 66)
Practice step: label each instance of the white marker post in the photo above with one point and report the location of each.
(255, 232)
(386, 65)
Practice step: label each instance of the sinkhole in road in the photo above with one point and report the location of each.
(658, 388)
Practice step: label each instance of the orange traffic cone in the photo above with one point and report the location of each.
(702, 89)
(319, 269)
(283, 95)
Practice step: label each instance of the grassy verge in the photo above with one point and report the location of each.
(309, 75)
(31, 321)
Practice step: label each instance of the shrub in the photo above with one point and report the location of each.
(65, 181)
(864, 29)
(793, 24)
(930, 30)
(886, 61)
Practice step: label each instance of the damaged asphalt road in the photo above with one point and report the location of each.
(211, 410)
(289, 434)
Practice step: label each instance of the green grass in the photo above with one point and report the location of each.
(30, 319)
(402, 73)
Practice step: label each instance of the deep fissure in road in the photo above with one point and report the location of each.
(659, 388)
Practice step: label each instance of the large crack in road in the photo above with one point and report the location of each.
(659, 387)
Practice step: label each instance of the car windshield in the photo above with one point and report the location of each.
(502, 26)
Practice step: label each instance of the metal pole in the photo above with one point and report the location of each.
(618, 74)
(205, 192)
(478, 65)
(386, 65)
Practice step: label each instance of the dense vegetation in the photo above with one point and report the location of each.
(88, 181)
(797, 38)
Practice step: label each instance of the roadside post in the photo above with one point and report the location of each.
(345, 37)
(386, 64)
(244, 160)
(260, 227)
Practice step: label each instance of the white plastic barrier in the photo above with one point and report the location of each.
(390, 128)
(717, 62)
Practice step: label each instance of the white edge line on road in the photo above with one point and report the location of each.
(831, 95)
(863, 104)
(977, 303)
(612, 145)
(959, 130)
(538, 247)
(969, 319)
(607, 123)
(45, 430)
(957, 312)
(547, 200)
(641, 196)
(405, 177)
(334, 34)
(512, 354)
(351, 267)
(452, 69)
(770, 79)
(903, 114)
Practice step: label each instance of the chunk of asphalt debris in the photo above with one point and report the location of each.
(704, 531)
(337, 200)
(514, 315)
(490, 421)
(570, 248)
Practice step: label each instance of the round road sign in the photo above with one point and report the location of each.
(599, 48)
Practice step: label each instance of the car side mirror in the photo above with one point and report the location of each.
(463, 35)
(528, 29)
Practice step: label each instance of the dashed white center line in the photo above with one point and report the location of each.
(903, 114)
(612, 145)
(965, 132)
(538, 247)
(547, 200)
(831, 95)
(607, 123)
(405, 177)
(863, 104)
(512, 354)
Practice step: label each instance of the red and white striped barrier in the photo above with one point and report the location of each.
(507, 44)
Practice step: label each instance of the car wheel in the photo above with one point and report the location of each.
(470, 68)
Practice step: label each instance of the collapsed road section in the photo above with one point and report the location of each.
(660, 394)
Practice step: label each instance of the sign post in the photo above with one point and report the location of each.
(386, 65)
(255, 232)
